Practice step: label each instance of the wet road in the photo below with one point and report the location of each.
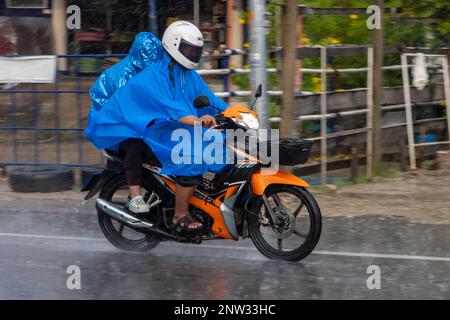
(38, 245)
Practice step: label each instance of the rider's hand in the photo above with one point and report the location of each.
(208, 121)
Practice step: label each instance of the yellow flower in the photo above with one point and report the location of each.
(306, 40)
(317, 84)
(354, 16)
(332, 40)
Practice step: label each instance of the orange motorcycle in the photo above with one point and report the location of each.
(276, 211)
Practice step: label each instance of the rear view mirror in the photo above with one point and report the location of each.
(258, 92)
(201, 102)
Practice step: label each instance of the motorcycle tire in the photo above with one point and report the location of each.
(311, 239)
(40, 179)
(111, 233)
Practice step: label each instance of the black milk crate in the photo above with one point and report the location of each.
(294, 151)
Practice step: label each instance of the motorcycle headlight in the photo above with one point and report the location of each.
(248, 121)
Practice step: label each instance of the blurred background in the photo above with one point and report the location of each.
(327, 96)
(367, 81)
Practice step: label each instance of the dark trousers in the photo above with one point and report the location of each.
(136, 152)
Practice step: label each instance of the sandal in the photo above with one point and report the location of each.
(187, 223)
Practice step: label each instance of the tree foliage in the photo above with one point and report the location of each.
(405, 29)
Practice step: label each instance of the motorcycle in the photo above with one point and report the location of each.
(277, 212)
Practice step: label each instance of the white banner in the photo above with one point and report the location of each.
(36, 69)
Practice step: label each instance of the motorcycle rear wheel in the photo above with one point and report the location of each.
(260, 223)
(117, 233)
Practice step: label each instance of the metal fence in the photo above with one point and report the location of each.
(63, 129)
(16, 136)
(323, 115)
(16, 127)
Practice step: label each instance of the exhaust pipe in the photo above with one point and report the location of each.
(117, 213)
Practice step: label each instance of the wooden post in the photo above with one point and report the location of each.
(378, 57)
(422, 139)
(354, 163)
(288, 73)
(298, 61)
(59, 17)
(197, 13)
(323, 112)
(446, 71)
(234, 32)
(403, 156)
(369, 165)
(298, 69)
(447, 62)
(408, 111)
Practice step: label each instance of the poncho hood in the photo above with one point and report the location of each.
(145, 50)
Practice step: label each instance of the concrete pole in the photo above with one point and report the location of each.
(59, 17)
(258, 58)
(378, 57)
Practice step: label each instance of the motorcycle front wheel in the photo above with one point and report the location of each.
(297, 227)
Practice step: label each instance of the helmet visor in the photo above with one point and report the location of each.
(191, 52)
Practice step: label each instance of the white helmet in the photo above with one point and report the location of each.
(184, 42)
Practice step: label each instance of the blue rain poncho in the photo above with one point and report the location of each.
(155, 95)
(145, 50)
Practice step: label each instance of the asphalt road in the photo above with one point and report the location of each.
(39, 241)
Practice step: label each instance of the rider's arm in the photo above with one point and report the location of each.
(206, 120)
(189, 120)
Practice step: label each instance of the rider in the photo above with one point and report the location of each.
(139, 111)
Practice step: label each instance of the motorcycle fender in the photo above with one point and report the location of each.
(260, 182)
(96, 183)
(91, 183)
